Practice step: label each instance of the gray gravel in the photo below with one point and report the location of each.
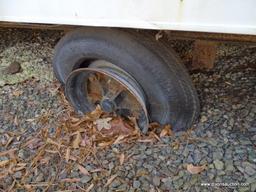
(224, 138)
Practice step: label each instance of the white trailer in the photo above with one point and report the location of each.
(220, 16)
(129, 72)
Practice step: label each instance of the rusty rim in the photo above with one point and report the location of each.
(107, 85)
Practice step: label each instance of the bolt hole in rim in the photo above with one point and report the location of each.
(107, 85)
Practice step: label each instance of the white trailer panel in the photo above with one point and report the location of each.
(223, 16)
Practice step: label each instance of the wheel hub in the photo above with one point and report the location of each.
(107, 105)
(107, 85)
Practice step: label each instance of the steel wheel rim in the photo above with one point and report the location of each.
(81, 86)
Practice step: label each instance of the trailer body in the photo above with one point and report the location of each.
(216, 16)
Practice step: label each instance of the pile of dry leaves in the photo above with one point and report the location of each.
(72, 142)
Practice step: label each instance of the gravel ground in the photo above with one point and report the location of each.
(224, 139)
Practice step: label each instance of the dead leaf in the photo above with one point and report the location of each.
(33, 143)
(159, 35)
(15, 121)
(135, 123)
(118, 127)
(77, 140)
(71, 180)
(175, 145)
(22, 164)
(155, 136)
(89, 188)
(141, 173)
(58, 132)
(195, 169)
(74, 119)
(9, 141)
(39, 184)
(67, 156)
(50, 141)
(96, 170)
(17, 93)
(9, 152)
(166, 131)
(105, 144)
(121, 159)
(10, 168)
(51, 151)
(18, 138)
(95, 114)
(45, 160)
(83, 170)
(119, 138)
(110, 180)
(28, 187)
(103, 123)
(203, 119)
(85, 141)
(19, 167)
(3, 174)
(38, 157)
(153, 126)
(12, 186)
(4, 162)
(146, 140)
(30, 120)
(73, 158)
